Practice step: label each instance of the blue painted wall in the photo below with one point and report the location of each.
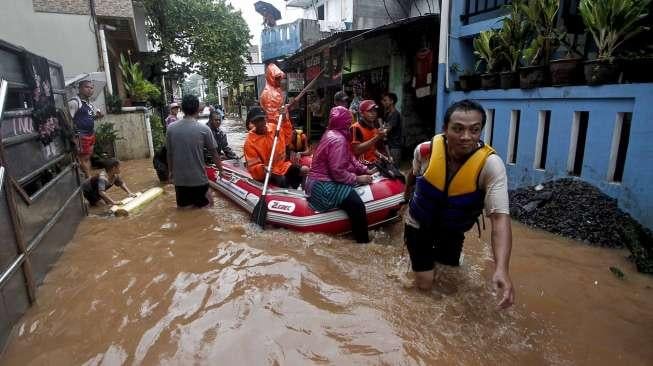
(604, 103)
(282, 40)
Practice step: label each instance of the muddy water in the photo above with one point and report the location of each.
(169, 287)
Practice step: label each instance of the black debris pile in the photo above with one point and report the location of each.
(578, 210)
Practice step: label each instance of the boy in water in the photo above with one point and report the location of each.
(95, 187)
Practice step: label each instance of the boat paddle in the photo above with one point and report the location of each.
(260, 212)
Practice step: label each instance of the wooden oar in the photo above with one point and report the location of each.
(260, 212)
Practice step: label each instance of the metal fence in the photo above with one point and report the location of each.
(40, 199)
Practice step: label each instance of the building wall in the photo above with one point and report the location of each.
(422, 7)
(63, 38)
(605, 105)
(132, 128)
(109, 8)
(370, 14)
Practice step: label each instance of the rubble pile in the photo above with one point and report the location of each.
(578, 210)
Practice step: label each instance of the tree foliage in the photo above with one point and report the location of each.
(207, 36)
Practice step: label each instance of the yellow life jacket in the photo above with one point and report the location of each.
(453, 204)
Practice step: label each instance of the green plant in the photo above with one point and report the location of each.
(486, 49)
(144, 90)
(542, 15)
(114, 103)
(612, 22)
(131, 74)
(514, 35)
(105, 136)
(158, 133)
(455, 68)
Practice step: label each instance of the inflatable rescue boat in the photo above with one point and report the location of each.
(289, 208)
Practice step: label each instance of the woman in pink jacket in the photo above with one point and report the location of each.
(334, 173)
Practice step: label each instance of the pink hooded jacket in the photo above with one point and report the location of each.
(333, 159)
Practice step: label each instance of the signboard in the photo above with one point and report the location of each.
(295, 82)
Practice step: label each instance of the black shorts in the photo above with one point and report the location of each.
(427, 246)
(292, 178)
(192, 196)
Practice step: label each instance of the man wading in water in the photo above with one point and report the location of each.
(455, 177)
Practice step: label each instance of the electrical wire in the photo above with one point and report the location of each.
(429, 4)
(387, 12)
(416, 7)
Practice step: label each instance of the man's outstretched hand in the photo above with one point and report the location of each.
(503, 285)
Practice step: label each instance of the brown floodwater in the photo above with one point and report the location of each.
(204, 287)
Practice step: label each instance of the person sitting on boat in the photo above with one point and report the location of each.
(222, 145)
(366, 136)
(258, 148)
(95, 187)
(455, 177)
(335, 171)
(298, 145)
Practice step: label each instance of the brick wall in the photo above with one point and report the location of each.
(106, 8)
(114, 8)
(62, 6)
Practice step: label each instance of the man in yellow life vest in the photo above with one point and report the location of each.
(298, 144)
(453, 179)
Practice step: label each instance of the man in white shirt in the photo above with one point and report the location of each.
(454, 178)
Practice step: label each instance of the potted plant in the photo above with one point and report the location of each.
(469, 81)
(638, 66)
(143, 91)
(512, 38)
(542, 15)
(567, 70)
(486, 49)
(611, 23)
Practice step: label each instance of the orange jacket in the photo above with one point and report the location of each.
(258, 148)
(272, 95)
(359, 134)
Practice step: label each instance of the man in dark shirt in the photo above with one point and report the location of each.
(392, 121)
(222, 145)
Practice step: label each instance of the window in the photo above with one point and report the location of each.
(320, 12)
(541, 148)
(489, 127)
(513, 136)
(577, 143)
(477, 10)
(618, 152)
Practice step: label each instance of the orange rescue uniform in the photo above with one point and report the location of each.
(258, 148)
(360, 134)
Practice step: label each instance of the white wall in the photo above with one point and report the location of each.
(64, 38)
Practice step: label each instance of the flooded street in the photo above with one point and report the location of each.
(170, 287)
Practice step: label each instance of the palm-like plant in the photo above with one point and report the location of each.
(542, 14)
(131, 74)
(514, 35)
(487, 50)
(612, 22)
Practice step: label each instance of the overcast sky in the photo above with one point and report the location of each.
(255, 20)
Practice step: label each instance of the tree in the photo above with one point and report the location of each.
(207, 36)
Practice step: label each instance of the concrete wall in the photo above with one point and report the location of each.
(63, 38)
(605, 105)
(372, 13)
(133, 128)
(109, 8)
